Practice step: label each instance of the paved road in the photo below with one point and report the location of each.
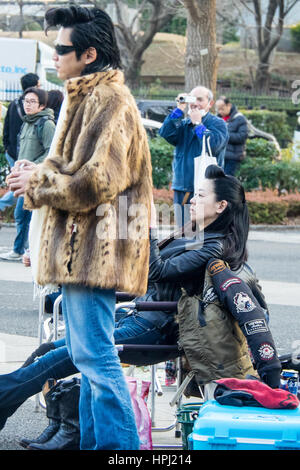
(275, 255)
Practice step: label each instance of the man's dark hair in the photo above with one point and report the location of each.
(29, 80)
(91, 27)
(41, 94)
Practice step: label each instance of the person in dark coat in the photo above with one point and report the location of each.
(55, 99)
(238, 133)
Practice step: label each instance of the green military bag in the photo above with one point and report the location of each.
(211, 338)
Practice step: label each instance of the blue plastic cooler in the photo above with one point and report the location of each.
(220, 427)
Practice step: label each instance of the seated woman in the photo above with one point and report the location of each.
(177, 264)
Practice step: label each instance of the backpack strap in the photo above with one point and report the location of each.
(39, 127)
(18, 108)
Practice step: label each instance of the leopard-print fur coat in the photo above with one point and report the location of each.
(97, 187)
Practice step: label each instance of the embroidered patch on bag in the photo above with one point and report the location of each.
(216, 267)
(266, 351)
(209, 296)
(256, 326)
(229, 282)
(243, 302)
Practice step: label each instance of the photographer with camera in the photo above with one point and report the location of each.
(186, 134)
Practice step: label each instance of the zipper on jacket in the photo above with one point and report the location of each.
(72, 240)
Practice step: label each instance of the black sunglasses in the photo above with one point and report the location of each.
(62, 50)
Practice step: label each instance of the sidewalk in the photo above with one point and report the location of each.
(30, 420)
(14, 349)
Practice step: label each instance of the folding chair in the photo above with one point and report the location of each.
(148, 355)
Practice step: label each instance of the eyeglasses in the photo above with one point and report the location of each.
(30, 102)
(62, 50)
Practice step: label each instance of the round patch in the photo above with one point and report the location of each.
(243, 302)
(266, 351)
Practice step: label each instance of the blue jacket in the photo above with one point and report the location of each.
(187, 139)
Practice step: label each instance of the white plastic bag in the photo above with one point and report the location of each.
(202, 162)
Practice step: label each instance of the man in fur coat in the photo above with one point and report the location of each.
(91, 208)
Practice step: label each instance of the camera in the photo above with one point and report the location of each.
(187, 99)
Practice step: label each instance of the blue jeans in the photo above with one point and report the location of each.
(21, 384)
(22, 218)
(8, 199)
(106, 416)
(231, 167)
(9, 160)
(181, 212)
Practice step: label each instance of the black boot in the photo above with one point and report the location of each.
(40, 351)
(68, 435)
(53, 414)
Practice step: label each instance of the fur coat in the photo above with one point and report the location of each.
(97, 187)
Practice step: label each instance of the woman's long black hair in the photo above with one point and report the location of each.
(233, 222)
(91, 27)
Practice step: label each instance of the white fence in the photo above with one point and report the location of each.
(9, 90)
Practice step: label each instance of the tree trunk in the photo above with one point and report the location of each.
(268, 36)
(201, 61)
(262, 78)
(132, 72)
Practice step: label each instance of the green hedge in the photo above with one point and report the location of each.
(161, 156)
(267, 212)
(272, 213)
(264, 173)
(295, 34)
(261, 148)
(273, 122)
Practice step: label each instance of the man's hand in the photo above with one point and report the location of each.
(26, 260)
(196, 114)
(19, 176)
(23, 164)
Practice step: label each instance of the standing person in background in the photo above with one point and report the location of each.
(12, 124)
(186, 134)
(34, 143)
(238, 134)
(55, 100)
(100, 159)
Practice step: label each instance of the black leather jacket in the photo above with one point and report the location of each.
(181, 263)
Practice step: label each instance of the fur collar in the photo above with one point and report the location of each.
(81, 86)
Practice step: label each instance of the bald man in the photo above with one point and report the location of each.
(186, 134)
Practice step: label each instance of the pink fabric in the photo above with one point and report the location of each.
(141, 412)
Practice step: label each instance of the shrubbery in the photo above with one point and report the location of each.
(162, 156)
(260, 148)
(273, 122)
(295, 33)
(262, 172)
(266, 207)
